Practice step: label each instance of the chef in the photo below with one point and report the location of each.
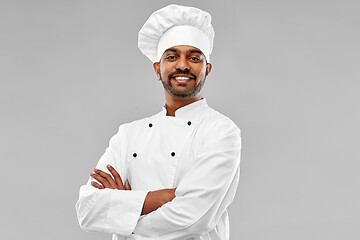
(174, 174)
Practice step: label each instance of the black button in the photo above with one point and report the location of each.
(150, 125)
(173, 154)
(189, 123)
(134, 154)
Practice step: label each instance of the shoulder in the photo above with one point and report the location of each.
(138, 125)
(216, 128)
(215, 121)
(218, 133)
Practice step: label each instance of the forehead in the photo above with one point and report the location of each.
(183, 49)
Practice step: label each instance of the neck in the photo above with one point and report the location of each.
(174, 103)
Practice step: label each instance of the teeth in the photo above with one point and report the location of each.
(182, 78)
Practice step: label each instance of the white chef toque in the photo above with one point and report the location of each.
(176, 25)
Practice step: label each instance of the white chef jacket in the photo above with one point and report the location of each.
(197, 152)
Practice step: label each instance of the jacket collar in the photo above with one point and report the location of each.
(189, 111)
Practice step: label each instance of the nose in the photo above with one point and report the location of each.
(182, 64)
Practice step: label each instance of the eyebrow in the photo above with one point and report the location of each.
(195, 51)
(171, 50)
(189, 51)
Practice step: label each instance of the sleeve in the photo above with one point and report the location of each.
(110, 210)
(204, 193)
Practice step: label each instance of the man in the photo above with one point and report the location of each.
(171, 175)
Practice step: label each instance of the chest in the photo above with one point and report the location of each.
(160, 153)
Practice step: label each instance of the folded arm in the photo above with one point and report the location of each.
(153, 200)
(110, 210)
(106, 204)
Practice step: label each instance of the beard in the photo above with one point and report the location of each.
(182, 94)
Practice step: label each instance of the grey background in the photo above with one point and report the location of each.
(287, 72)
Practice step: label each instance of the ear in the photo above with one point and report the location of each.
(156, 66)
(208, 68)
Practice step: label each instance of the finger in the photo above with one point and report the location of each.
(127, 185)
(107, 177)
(102, 180)
(117, 177)
(95, 184)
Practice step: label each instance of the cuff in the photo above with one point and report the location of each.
(124, 210)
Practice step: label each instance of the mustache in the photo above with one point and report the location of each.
(187, 72)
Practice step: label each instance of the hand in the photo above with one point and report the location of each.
(156, 199)
(108, 181)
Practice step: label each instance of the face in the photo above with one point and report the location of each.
(182, 71)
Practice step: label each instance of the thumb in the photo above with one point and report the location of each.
(127, 185)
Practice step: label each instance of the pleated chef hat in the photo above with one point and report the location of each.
(176, 25)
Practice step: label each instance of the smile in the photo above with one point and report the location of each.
(182, 78)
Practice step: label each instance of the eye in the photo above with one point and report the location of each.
(170, 57)
(195, 59)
